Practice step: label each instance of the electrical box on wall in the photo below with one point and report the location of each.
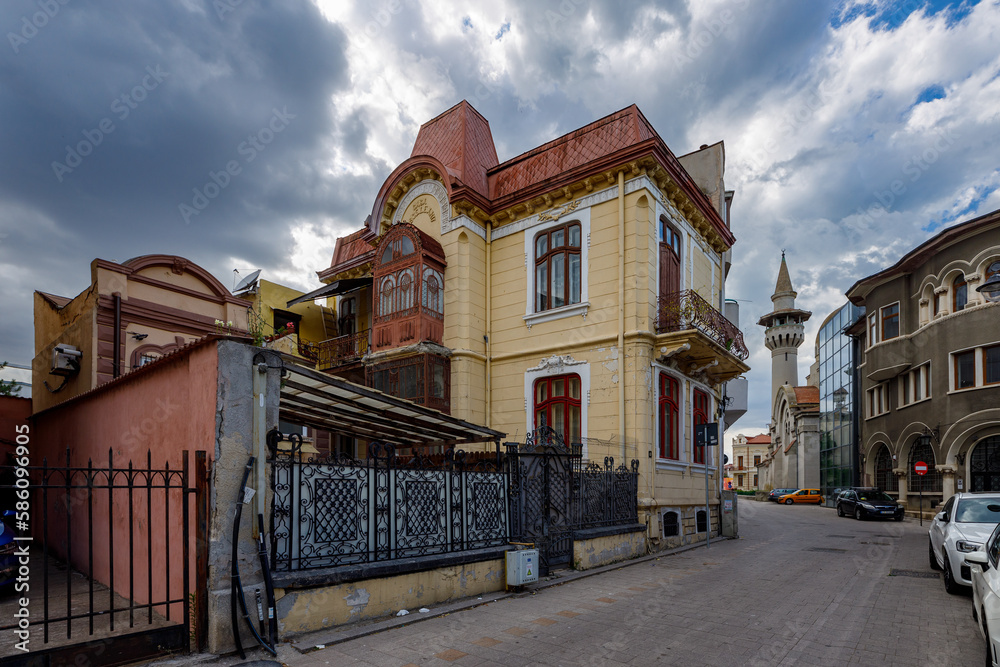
(65, 360)
(522, 567)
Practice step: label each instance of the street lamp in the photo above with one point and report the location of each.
(991, 288)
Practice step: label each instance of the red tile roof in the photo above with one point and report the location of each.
(602, 137)
(762, 439)
(350, 251)
(806, 395)
(460, 138)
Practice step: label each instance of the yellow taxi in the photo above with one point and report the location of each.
(802, 496)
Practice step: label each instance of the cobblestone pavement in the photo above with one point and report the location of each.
(800, 587)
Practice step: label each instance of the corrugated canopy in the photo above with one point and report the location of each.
(333, 404)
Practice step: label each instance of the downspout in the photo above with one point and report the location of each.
(116, 366)
(489, 326)
(621, 311)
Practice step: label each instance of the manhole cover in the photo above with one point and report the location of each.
(830, 549)
(917, 574)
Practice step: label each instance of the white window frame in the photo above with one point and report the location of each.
(680, 463)
(564, 366)
(531, 317)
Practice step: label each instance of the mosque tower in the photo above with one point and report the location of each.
(784, 332)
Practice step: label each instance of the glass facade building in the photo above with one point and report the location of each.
(838, 428)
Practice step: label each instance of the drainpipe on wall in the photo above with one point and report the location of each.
(116, 366)
(259, 433)
(489, 323)
(621, 311)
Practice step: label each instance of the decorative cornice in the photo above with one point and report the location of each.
(559, 211)
(556, 363)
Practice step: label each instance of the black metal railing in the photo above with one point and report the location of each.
(679, 311)
(335, 511)
(109, 552)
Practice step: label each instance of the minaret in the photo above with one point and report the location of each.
(784, 332)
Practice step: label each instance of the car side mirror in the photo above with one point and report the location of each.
(978, 557)
(942, 517)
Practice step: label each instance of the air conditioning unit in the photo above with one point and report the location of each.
(522, 567)
(65, 360)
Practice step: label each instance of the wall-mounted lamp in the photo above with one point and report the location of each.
(137, 336)
(991, 288)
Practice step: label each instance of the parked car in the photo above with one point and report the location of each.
(802, 496)
(8, 561)
(961, 527)
(777, 493)
(868, 503)
(984, 566)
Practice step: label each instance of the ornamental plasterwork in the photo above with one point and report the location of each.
(556, 364)
(421, 207)
(426, 187)
(529, 222)
(558, 212)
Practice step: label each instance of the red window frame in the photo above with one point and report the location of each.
(669, 417)
(545, 401)
(561, 255)
(699, 415)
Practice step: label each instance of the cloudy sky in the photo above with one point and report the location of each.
(116, 118)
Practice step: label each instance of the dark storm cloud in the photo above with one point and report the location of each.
(114, 114)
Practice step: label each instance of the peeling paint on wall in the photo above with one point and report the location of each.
(357, 600)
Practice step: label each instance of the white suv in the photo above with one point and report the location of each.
(962, 526)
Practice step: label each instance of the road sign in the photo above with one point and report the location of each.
(920, 468)
(706, 434)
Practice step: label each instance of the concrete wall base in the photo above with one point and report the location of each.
(597, 551)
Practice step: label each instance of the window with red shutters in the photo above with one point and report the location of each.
(669, 417)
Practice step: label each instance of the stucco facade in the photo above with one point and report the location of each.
(558, 308)
(748, 453)
(930, 367)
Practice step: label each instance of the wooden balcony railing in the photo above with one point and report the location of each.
(684, 310)
(342, 350)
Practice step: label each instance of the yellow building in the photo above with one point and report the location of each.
(748, 453)
(275, 324)
(577, 286)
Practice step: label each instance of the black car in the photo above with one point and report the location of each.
(777, 493)
(866, 503)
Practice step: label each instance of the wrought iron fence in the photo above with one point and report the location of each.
(686, 309)
(610, 494)
(335, 511)
(342, 349)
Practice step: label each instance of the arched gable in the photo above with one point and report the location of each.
(179, 266)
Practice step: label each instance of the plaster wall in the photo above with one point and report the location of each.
(312, 609)
(598, 551)
(74, 324)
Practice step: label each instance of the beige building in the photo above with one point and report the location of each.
(748, 452)
(578, 286)
(132, 314)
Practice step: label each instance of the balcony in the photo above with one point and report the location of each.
(681, 311)
(699, 338)
(342, 350)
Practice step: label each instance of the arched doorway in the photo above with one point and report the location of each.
(885, 479)
(984, 466)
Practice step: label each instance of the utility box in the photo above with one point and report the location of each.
(65, 360)
(522, 567)
(730, 514)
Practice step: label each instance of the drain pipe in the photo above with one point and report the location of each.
(489, 324)
(621, 311)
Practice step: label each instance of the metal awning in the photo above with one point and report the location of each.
(336, 287)
(333, 404)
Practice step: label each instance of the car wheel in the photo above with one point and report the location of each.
(840, 510)
(989, 644)
(789, 501)
(949, 579)
(858, 515)
(899, 517)
(931, 556)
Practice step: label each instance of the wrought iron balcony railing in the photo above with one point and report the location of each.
(679, 311)
(342, 350)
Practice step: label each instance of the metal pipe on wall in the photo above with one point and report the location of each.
(621, 311)
(116, 365)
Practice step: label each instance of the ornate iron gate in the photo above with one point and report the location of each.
(545, 494)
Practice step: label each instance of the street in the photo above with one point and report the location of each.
(800, 587)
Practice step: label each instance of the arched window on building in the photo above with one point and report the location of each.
(931, 482)
(671, 524)
(669, 417)
(557, 267)
(885, 479)
(959, 294)
(984, 466)
(700, 521)
(557, 404)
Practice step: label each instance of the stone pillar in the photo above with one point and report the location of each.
(948, 473)
(900, 474)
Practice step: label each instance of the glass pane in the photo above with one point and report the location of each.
(574, 386)
(574, 278)
(992, 363)
(559, 420)
(541, 287)
(541, 392)
(558, 280)
(406, 246)
(558, 238)
(574, 235)
(574, 423)
(559, 387)
(965, 369)
(541, 245)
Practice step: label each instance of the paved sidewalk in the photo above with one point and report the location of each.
(801, 587)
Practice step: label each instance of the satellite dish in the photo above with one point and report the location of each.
(247, 283)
